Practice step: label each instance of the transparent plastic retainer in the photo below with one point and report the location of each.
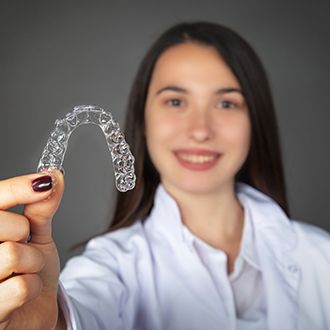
(123, 161)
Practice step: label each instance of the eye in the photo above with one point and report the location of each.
(225, 104)
(174, 102)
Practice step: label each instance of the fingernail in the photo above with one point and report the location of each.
(42, 183)
(62, 170)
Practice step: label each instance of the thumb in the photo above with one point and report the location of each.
(40, 213)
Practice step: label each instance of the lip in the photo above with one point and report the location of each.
(197, 152)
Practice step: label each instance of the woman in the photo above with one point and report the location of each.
(204, 240)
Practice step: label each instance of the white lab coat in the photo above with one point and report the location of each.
(122, 279)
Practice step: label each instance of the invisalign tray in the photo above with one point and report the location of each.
(122, 158)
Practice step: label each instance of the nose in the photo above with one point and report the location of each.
(200, 126)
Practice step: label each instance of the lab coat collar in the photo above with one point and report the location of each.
(275, 239)
(266, 216)
(274, 236)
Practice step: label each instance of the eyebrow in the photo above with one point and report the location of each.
(223, 90)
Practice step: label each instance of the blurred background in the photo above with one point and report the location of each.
(57, 54)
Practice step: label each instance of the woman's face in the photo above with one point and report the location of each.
(197, 122)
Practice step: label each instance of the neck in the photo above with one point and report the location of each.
(216, 217)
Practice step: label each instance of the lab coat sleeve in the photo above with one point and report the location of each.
(91, 293)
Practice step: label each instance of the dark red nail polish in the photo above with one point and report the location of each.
(43, 183)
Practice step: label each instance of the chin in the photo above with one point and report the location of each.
(196, 187)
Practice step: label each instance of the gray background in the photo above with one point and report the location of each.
(56, 54)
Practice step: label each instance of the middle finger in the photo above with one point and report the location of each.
(13, 227)
(19, 258)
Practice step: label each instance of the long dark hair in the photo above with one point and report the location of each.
(263, 168)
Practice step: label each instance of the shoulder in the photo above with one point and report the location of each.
(312, 232)
(121, 240)
(312, 239)
(308, 237)
(107, 253)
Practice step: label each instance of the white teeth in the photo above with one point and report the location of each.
(199, 159)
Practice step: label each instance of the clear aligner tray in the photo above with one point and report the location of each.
(122, 158)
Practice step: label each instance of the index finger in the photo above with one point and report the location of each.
(18, 190)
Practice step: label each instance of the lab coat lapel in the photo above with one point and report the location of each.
(275, 238)
(281, 280)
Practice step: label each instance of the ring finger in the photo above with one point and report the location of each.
(19, 258)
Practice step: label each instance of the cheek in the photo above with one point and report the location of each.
(161, 129)
(161, 136)
(238, 133)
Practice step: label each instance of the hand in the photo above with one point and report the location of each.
(29, 262)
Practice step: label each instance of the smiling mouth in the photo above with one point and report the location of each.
(197, 159)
